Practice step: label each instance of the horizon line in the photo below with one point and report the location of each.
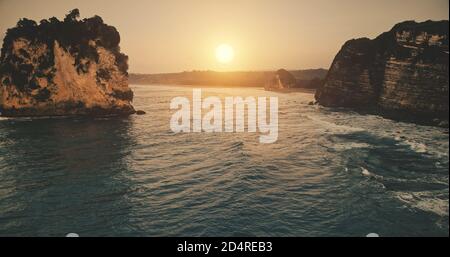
(230, 71)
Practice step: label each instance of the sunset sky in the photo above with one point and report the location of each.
(172, 36)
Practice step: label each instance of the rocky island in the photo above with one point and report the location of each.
(282, 79)
(402, 73)
(69, 67)
(305, 79)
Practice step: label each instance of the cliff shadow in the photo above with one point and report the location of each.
(64, 175)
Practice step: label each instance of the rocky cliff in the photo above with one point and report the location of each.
(282, 79)
(401, 73)
(69, 67)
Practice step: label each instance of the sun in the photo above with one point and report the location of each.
(224, 53)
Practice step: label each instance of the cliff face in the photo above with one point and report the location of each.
(68, 67)
(402, 71)
(281, 80)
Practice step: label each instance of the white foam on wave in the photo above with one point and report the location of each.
(415, 146)
(425, 146)
(412, 144)
(366, 172)
(420, 139)
(425, 201)
(349, 146)
(329, 126)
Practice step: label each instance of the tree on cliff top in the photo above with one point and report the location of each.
(72, 34)
(72, 16)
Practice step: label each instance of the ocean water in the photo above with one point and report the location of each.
(332, 172)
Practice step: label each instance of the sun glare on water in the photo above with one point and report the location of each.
(224, 53)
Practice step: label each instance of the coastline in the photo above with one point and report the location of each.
(295, 90)
(285, 90)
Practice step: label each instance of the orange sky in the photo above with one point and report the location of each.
(172, 36)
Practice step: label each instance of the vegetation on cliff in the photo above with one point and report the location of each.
(72, 34)
(68, 67)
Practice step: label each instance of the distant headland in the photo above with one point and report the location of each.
(309, 78)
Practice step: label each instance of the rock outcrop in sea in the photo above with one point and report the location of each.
(282, 79)
(69, 67)
(402, 73)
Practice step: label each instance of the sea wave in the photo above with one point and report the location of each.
(415, 146)
(149, 181)
(330, 126)
(425, 201)
(349, 145)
